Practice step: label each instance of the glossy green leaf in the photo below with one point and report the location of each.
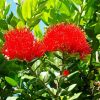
(79, 2)
(53, 65)
(36, 64)
(11, 81)
(2, 4)
(71, 87)
(51, 3)
(45, 17)
(19, 12)
(6, 10)
(3, 24)
(14, 21)
(35, 20)
(98, 36)
(44, 76)
(37, 32)
(9, 17)
(89, 13)
(12, 98)
(27, 77)
(18, 91)
(65, 9)
(46, 13)
(34, 5)
(26, 9)
(72, 74)
(40, 92)
(20, 24)
(76, 95)
(74, 5)
(97, 28)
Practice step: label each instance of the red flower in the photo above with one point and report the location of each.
(19, 44)
(39, 49)
(66, 37)
(65, 73)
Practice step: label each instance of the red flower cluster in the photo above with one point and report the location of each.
(66, 37)
(20, 43)
(39, 49)
(65, 73)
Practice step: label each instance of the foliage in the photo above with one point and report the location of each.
(42, 78)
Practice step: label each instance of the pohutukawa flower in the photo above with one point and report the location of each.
(66, 37)
(39, 49)
(65, 73)
(19, 44)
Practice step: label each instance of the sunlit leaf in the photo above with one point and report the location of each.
(20, 24)
(38, 33)
(11, 81)
(76, 95)
(2, 4)
(27, 77)
(6, 10)
(26, 9)
(71, 87)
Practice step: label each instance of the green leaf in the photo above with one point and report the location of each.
(36, 64)
(18, 91)
(46, 13)
(13, 21)
(51, 3)
(19, 1)
(52, 74)
(26, 9)
(37, 31)
(27, 77)
(58, 56)
(71, 87)
(76, 95)
(40, 92)
(44, 76)
(95, 44)
(97, 28)
(65, 9)
(9, 18)
(41, 7)
(11, 81)
(72, 74)
(19, 12)
(74, 5)
(34, 21)
(79, 2)
(3, 24)
(20, 24)
(45, 17)
(11, 98)
(96, 64)
(98, 36)
(53, 65)
(1, 36)
(34, 5)
(1, 43)
(2, 4)
(6, 10)
(89, 13)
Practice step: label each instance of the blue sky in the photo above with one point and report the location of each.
(13, 9)
(13, 6)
